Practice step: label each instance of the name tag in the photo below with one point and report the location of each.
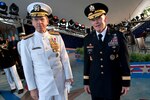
(36, 48)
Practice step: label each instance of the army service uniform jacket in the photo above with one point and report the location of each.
(106, 64)
(45, 69)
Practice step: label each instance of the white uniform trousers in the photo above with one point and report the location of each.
(60, 96)
(13, 78)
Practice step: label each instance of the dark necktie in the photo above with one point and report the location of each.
(100, 38)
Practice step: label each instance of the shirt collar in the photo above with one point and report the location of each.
(103, 33)
(45, 34)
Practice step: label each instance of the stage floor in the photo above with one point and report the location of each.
(140, 87)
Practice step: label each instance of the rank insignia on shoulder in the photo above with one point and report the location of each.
(28, 36)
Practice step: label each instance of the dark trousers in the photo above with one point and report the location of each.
(99, 98)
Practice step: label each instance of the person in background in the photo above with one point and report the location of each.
(8, 63)
(1, 42)
(12, 45)
(20, 68)
(106, 58)
(21, 36)
(44, 58)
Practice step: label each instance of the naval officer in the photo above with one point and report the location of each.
(106, 58)
(44, 58)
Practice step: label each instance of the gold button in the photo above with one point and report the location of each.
(102, 66)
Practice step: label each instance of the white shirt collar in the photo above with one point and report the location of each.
(103, 33)
(45, 34)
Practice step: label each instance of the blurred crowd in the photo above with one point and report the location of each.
(10, 63)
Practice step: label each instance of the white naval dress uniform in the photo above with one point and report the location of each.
(18, 47)
(13, 78)
(42, 69)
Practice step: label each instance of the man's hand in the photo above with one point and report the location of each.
(68, 84)
(34, 94)
(87, 89)
(124, 90)
(14, 47)
(70, 80)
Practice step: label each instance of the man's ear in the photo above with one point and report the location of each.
(47, 20)
(32, 21)
(106, 19)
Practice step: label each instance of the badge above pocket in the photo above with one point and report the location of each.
(90, 49)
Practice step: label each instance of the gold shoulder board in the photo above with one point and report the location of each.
(28, 36)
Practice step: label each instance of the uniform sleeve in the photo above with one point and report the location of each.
(27, 65)
(124, 60)
(18, 47)
(86, 64)
(1, 58)
(65, 60)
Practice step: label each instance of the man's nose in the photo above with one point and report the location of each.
(39, 21)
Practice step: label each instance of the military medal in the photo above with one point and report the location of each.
(112, 57)
(114, 42)
(90, 48)
(54, 45)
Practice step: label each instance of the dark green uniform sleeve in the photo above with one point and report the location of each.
(124, 61)
(86, 63)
